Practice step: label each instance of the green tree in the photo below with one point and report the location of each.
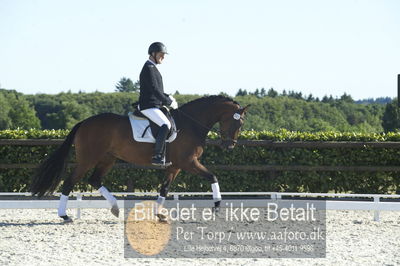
(241, 92)
(327, 99)
(224, 94)
(126, 85)
(346, 98)
(263, 93)
(295, 95)
(23, 115)
(48, 110)
(257, 93)
(18, 110)
(310, 98)
(72, 113)
(300, 115)
(5, 121)
(272, 93)
(391, 117)
(266, 113)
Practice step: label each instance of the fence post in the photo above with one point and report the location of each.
(376, 212)
(78, 209)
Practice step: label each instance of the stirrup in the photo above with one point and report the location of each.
(159, 161)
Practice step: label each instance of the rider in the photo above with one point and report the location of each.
(152, 98)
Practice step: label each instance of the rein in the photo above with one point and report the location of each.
(194, 120)
(223, 135)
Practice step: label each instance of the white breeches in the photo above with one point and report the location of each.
(157, 116)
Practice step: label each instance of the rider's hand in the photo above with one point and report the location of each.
(174, 104)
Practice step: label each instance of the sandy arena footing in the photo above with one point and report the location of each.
(37, 237)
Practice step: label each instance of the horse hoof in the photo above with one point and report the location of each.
(115, 211)
(215, 209)
(66, 219)
(162, 218)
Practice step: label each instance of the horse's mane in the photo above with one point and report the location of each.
(209, 100)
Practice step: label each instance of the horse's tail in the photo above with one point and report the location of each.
(50, 172)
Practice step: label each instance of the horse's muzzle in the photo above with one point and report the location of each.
(228, 144)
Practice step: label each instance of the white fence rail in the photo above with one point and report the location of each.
(331, 204)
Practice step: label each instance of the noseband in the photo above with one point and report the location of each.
(237, 117)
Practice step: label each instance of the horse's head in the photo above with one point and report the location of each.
(202, 114)
(230, 124)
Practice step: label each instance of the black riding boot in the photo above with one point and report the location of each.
(159, 148)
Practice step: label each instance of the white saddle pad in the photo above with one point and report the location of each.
(139, 124)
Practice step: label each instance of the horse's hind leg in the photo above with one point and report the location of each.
(171, 174)
(68, 185)
(101, 170)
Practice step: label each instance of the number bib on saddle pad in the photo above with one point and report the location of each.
(144, 130)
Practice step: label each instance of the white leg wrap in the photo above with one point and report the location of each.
(159, 205)
(108, 196)
(160, 200)
(216, 192)
(62, 206)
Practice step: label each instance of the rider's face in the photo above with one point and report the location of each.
(159, 57)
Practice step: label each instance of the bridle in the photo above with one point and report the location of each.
(232, 128)
(224, 136)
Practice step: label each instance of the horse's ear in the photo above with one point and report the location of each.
(244, 109)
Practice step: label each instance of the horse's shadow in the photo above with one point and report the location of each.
(39, 223)
(29, 224)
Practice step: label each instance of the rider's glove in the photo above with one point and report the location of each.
(174, 104)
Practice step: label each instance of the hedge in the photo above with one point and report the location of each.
(283, 181)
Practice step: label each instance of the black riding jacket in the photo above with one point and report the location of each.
(151, 88)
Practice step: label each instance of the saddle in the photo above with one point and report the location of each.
(145, 130)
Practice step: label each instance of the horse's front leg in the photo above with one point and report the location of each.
(197, 168)
(171, 173)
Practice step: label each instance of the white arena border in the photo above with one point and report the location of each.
(377, 205)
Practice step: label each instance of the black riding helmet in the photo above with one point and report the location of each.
(157, 47)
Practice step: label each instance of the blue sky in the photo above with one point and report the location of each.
(319, 47)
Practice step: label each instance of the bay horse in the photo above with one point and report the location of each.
(101, 139)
